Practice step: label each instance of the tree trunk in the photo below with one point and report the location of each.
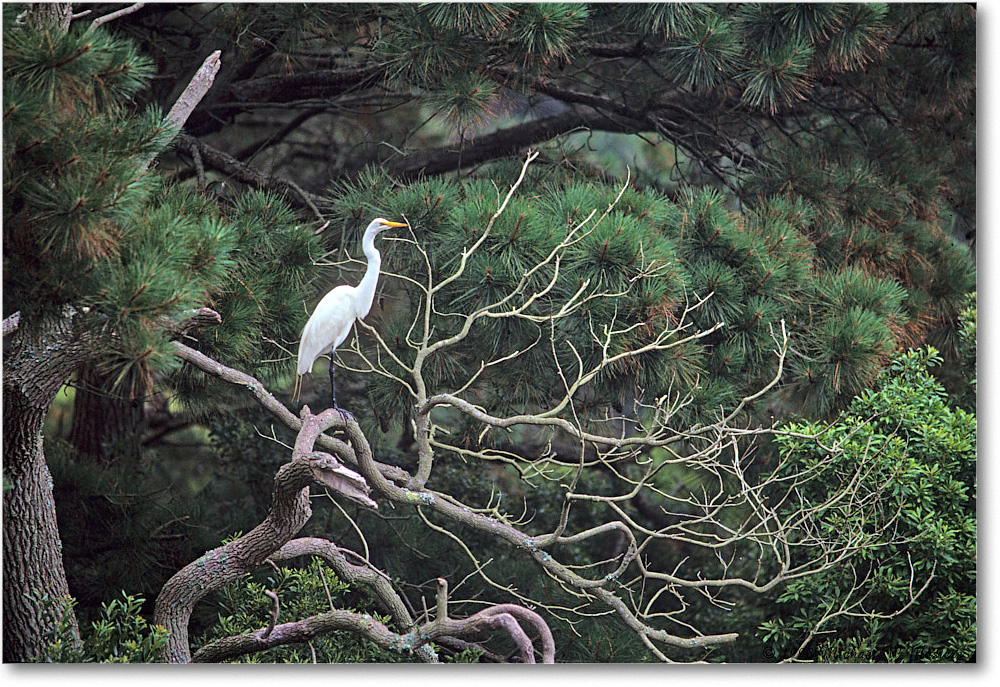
(33, 568)
(36, 364)
(106, 428)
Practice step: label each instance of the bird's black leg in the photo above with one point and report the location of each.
(333, 397)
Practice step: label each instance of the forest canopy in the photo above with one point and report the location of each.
(673, 358)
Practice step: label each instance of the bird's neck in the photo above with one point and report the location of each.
(366, 289)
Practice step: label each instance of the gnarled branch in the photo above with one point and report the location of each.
(289, 511)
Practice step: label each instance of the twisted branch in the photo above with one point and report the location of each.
(289, 511)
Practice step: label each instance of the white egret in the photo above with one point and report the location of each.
(332, 319)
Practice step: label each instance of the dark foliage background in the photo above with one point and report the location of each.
(806, 163)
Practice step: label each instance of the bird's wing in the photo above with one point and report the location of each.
(328, 326)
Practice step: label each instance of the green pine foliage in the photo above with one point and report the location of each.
(87, 224)
(769, 53)
(704, 54)
(84, 69)
(71, 152)
(547, 31)
(754, 269)
(261, 298)
(659, 19)
(863, 219)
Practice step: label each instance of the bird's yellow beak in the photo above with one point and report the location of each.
(394, 224)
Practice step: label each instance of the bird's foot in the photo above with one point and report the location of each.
(344, 414)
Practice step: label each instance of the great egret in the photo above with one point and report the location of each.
(332, 319)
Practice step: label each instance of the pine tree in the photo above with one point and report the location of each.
(767, 166)
(104, 263)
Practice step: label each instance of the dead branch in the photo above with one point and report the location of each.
(276, 407)
(11, 323)
(376, 580)
(115, 15)
(192, 95)
(504, 617)
(227, 164)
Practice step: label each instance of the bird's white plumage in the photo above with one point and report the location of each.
(328, 327)
(333, 317)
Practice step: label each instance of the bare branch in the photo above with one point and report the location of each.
(504, 616)
(192, 95)
(196, 89)
(273, 405)
(732, 509)
(275, 609)
(503, 143)
(376, 580)
(11, 323)
(115, 15)
(227, 164)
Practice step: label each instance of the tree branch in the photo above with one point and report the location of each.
(115, 15)
(284, 88)
(229, 165)
(276, 407)
(11, 323)
(368, 575)
(289, 511)
(504, 143)
(196, 89)
(504, 616)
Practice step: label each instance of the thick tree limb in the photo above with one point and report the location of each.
(47, 15)
(321, 83)
(676, 115)
(374, 579)
(289, 511)
(38, 358)
(504, 616)
(505, 142)
(637, 49)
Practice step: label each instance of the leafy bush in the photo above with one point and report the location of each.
(120, 635)
(910, 593)
(303, 592)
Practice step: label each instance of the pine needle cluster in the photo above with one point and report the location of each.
(88, 224)
(756, 268)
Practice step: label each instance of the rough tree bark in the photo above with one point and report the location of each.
(37, 360)
(289, 512)
(106, 427)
